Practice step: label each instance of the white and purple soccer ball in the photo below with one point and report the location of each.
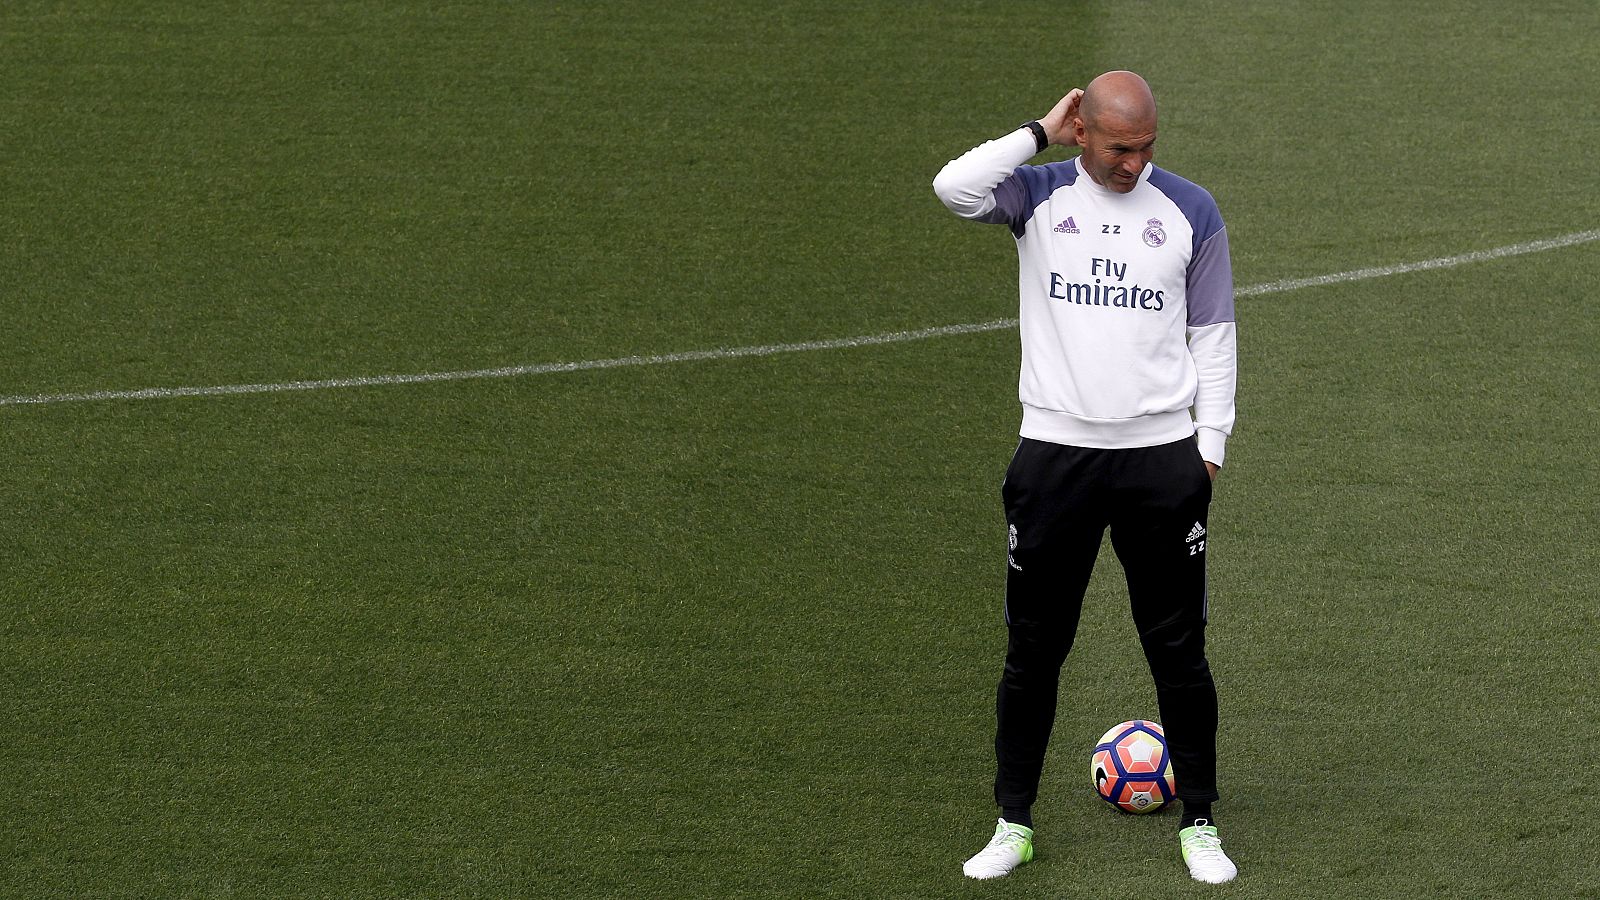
(1131, 768)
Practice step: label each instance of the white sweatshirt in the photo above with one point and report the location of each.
(1126, 299)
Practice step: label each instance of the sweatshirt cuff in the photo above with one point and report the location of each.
(1212, 445)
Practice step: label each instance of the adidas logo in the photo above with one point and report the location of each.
(1195, 533)
(1068, 226)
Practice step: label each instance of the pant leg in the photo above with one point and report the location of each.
(1158, 524)
(1054, 522)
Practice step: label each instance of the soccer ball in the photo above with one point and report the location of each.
(1131, 769)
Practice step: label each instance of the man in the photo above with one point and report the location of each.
(1127, 325)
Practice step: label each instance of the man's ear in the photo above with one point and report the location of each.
(1078, 129)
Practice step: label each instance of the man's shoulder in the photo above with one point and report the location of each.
(1197, 204)
(1170, 183)
(1042, 181)
(1027, 188)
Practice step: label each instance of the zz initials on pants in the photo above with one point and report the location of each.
(1197, 547)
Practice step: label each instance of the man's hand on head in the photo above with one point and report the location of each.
(1057, 123)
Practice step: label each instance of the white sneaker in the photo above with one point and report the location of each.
(1011, 846)
(1202, 850)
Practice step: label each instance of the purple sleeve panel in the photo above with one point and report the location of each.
(1194, 201)
(1210, 292)
(1024, 190)
(1010, 204)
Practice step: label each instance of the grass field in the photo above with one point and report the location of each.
(732, 627)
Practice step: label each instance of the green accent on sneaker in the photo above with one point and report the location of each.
(1019, 834)
(1198, 837)
(1202, 853)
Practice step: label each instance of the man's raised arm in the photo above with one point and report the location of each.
(967, 184)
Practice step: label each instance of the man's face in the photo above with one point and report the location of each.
(1115, 151)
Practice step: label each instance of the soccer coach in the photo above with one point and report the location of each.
(1128, 373)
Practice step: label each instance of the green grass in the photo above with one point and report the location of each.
(732, 628)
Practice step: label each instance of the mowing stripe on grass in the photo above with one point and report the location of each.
(893, 337)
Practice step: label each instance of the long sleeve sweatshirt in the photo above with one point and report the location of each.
(1126, 300)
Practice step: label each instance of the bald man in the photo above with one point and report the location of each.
(1128, 372)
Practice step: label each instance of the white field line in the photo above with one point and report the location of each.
(893, 337)
(1443, 262)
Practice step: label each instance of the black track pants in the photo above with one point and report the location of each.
(1059, 501)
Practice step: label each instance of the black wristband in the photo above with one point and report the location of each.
(1039, 139)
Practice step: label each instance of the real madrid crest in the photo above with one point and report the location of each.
(1154, 236)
